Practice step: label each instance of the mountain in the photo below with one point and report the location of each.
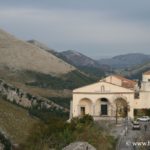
(135, 72)
(79, 59)
(41, 45)
(47, 49)
(37, 71)
(125, 61)
(85, 63)
(19, 55)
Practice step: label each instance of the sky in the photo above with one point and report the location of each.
(96, 28)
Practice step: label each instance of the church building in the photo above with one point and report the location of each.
(111, 96)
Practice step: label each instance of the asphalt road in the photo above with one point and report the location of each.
(132, 137)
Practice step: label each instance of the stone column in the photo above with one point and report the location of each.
(93, 107)
(78, 110)
(71, 109)
(131, 113)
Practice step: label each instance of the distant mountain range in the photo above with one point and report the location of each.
(121, 64)
(134, 72)
(125, 61)
(73, 57)
(35, 64)
(84, 63)
(130, 65)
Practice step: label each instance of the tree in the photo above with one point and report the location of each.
(121, 108)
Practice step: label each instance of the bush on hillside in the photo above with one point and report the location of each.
(56, 133)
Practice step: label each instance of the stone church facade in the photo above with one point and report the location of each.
(110, 96)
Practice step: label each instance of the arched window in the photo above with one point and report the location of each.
(102, 88)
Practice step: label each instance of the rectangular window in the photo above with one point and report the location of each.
(136, 95)
(103, 109)
(82, 109)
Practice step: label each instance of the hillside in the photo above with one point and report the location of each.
(79, 59)
(15, 121)
(125, 61)
(20, 55)
(38, 71)
(135, 72)
(46, 48)
(41, 45)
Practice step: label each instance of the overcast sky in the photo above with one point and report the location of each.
(97, 28)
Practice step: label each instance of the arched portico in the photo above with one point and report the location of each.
(85, 107)
(121, 107)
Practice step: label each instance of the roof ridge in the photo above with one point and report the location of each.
(122, 77)
(147, 72)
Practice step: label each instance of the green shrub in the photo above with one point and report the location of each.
(70, 80)
(56, 133)
(86, 119)
(62, 101)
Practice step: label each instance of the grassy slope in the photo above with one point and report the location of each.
(65, 102)
(59, 88)
(70, 80)
(15, 121)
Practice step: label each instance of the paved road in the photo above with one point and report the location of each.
(132, 136)
(126, 143)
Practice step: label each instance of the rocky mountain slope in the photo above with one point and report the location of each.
(85, 63)
(24, 99)
(41, 45)
(79, 59)
(31, 68)
(125, 61)
(20, 55)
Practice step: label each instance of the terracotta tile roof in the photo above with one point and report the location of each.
(147, 73)
(127, 83)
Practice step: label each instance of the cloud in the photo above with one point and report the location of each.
(82, 29)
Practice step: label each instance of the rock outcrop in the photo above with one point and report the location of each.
(79, 146)
(24, 99)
